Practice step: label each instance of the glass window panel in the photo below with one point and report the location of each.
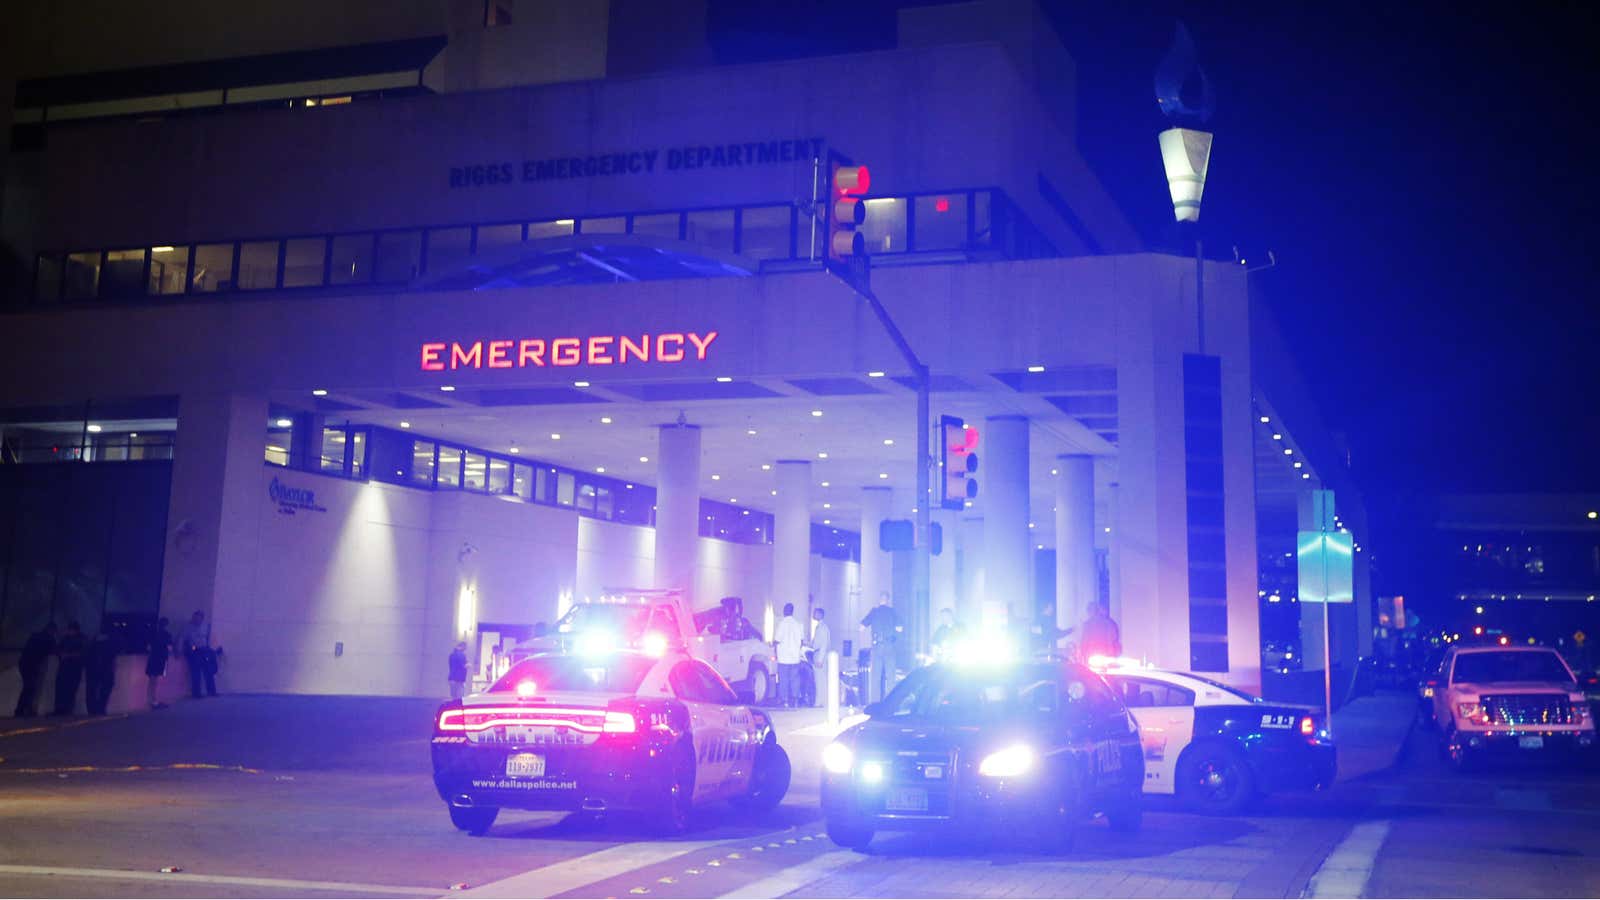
(213, 268)
(566, 486)
(885, 228)
(941, 222)
(302, 261)
(449, 466)
(150, 446)
(586, 493)
(661, 225)
(522, 481)
(603, 503)
(448, 247)
(477, 475)
(331, 459)
(258, 265)
(499, 476)
(492, 237)
(399, 255)
(712, 229)
(358, 454)
(557, 228)
(541, 489)
(352, 259)
(83, 275)
(169, 269)
(123, 275)
(47, 279)
(764, 232)
(279, 440)
(982, 220)
(422, 463)
(606, 225)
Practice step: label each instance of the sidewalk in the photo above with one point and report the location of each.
(1370, 731)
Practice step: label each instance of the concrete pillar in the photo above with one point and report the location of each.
(1007, 551)
(943, 589)
(791, 536)
(877, 567)
(213, 512)
(678, 509)
(1076, 578)
(970, 609)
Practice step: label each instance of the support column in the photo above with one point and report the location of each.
(943, 590)
(971, 610)
(877, 573)
(1007, 551)
(678, 509)
(791, 536)
(1076, 578)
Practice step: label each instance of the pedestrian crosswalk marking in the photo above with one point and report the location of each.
(590, 868)
(284, 885)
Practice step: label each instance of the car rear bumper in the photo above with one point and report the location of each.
(595, 779)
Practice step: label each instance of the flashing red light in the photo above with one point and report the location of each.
(851, 180)
(1504, 640)
(1308, 726)
(941, 205)
(1477, 630)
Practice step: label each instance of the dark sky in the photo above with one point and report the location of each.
(1425, 173)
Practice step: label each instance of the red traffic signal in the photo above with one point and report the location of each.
(847, 183)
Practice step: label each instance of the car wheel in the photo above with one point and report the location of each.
(1215, 780)
(849, 835)
(760, 685)
(679, 801)
(1455, 753)
(1125, 814)
(769, 779)
(474, 820)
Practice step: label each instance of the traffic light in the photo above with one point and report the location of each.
(844, 210)
(958, 463)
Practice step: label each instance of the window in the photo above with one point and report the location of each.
(764, 232)
(522, 481)
(279, 442)
(491, 237)
(941, 222)
(123, 275)
(982, 219)
(1140, 692)
(83, 275)
(258, 265)
(605, 225)
(566, 487)
(303, 259)
(399, 256)
(712, 229)
(885, 228)
(586, 495)
(499, 476)
(422, 464)
(622, 673)
(477, 474)
(169, 269)
(449, 467)
(47, 279)
(358, 454)
(352, 259)
(1505, 665)
(695, 682)
(213, 268)
(331, 457)
(661, 225)
(448, 247)
(558, 228)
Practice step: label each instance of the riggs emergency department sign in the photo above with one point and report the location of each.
(642, 161)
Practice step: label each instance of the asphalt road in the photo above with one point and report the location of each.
(321, 796)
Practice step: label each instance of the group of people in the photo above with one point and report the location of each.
(792, 646)
(92, 664)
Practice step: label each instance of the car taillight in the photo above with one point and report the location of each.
(620, 722)
(1308, 726)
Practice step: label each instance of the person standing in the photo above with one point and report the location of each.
(100, 670)
(35, 653)
(1099, 633)
(155, 664)
(947, 635)
(458, 671)
(884, 626)
(1046, 633)
(788, 638)
(69, 669)
(821, 645)
(197, 653)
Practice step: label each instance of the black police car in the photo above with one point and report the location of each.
(1039, 746)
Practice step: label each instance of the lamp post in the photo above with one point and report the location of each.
(1185, 96)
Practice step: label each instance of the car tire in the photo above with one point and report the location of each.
(849, 835)
(678, 803)
(1456, 755)
(769, 779)
(1125, 814)
(759, 685)
(474, 820)
(1215, 780)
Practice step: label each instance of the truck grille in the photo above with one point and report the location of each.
(1528, 709)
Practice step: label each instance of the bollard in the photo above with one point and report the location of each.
(833, 687)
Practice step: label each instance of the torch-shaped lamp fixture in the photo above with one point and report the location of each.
(1186, 154)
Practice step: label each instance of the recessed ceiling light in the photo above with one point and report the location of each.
(733, 499)
(447, 388)
(319, 392)
(1297, 464)
(580, 384)
(285, 423)
(827, 521)
(774, 493)
(93, 429)
(1030, 524)
(822, 455)
(1036, 369)
(133, 434)
(405, 424)
(555, 436)
(1055, 472)
(1288, 451)
(1305, 474)
(600, 469)
(716, 478)
(516, 450)
(888, 442)
(874, 374)
(1108, 529)
(1039, 547)
(766, 466)
(883, 474)
(827, 506)
(1276, 436)
(644, 459)
(723, 379)
(750, 431)
(1265, 419)
(605, 420)
(824, 484)
(817, 413)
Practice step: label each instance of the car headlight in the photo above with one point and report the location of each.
(838, 758)
(1008, 763)
(1473, 712)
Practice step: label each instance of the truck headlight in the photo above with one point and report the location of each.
(1011, 762)
(1473, 712)
(837, 758)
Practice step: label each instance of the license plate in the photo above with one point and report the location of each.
(933, 771)
(907, 800)
(1530, 742)
(525, 765)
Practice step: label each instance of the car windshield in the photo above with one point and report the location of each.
(623, 620)
(1487, 668)
(978, 695)
(617, 673)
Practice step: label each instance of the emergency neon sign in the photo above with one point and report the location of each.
(597, 350)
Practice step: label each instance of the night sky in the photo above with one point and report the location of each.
(1426, 175)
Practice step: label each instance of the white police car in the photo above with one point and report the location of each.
(1214, 746)
(652, 730)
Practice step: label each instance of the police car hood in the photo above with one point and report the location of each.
(892, 737)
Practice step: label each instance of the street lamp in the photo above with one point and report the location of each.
(1184, 94)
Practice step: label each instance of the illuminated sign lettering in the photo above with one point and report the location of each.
(595, 350)
(637, 162)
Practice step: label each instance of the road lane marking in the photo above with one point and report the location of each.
(75, 770)
(40, 729)
(571, 874)
(1346, 870)
(336, 887)
(795, 877)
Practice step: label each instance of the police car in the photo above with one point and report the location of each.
(1036, 747)
(605, 731)
(1216, 747)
